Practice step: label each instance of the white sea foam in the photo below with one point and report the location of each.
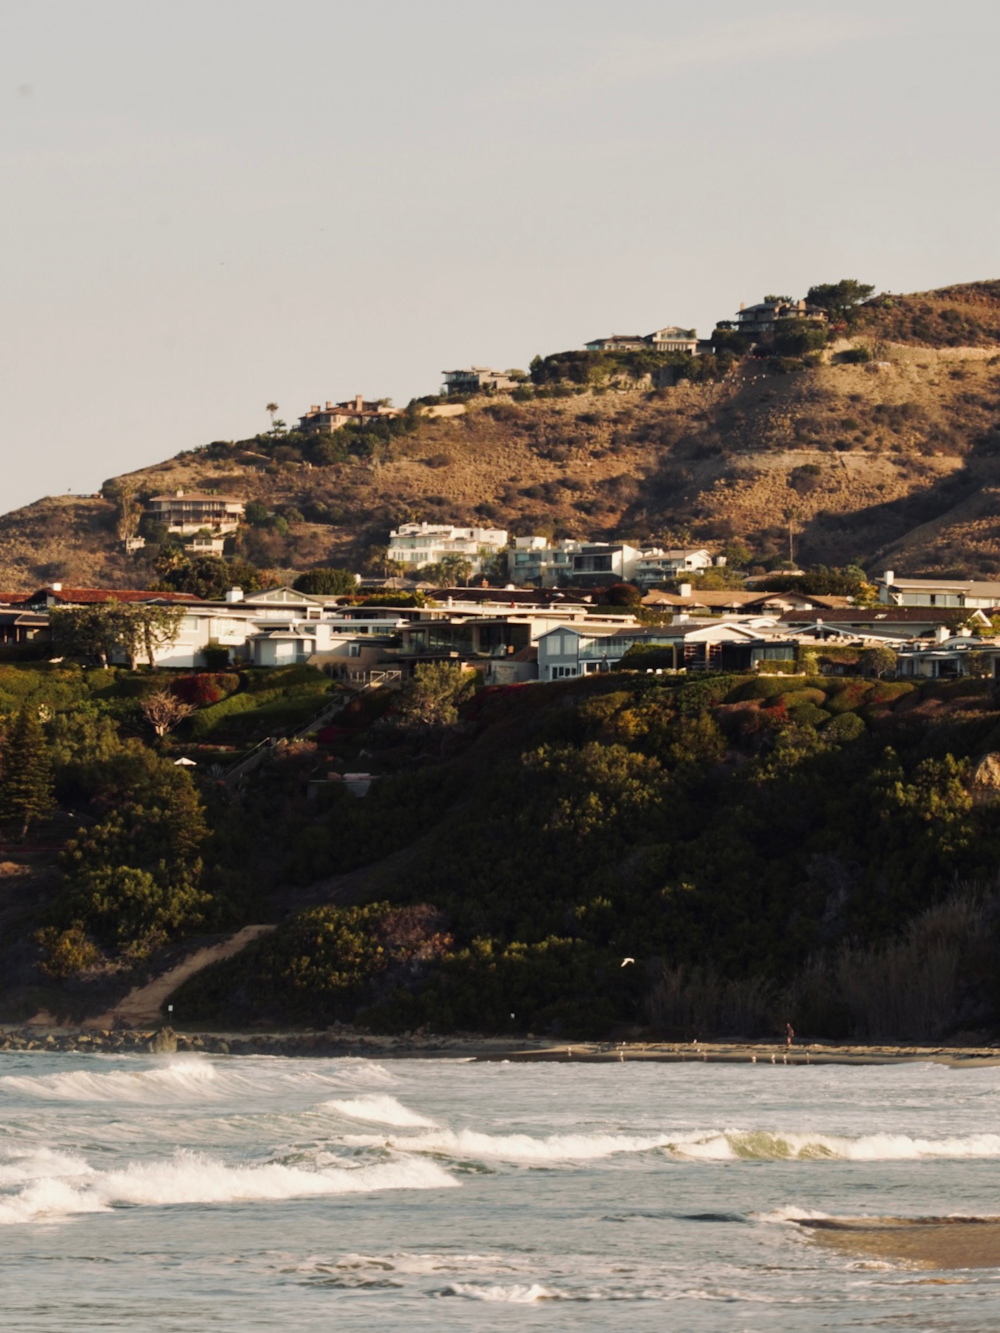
(379, 1109)
(192, 1178)
(515, 1294)
(709, 1145)
(515, 1147)
(767, 1145)
(194, 1078)
(32, 1164)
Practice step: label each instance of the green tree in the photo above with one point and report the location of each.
(26, 772)
(433, 697)
(256, 514)
(326, 582)
(208, 576)
(840, 299)
(85, 631)
(879, 661)
(271, 409)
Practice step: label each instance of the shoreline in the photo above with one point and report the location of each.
(344, 1041)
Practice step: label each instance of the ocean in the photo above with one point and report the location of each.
(234, 1194)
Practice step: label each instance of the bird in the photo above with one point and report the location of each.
(626, 961)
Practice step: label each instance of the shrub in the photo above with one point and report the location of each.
(781, 666)
(808, 715)
(846, 727)
(791, 698)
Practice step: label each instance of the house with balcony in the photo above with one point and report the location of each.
(672, 338)
(661, 566)
(537, 561)
(972, 593)
(416, 545)
(691, 645)
(757, 320)
(597, 564)
(480, 379)
(194, 513)
(359, 411)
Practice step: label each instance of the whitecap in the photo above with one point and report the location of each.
(379, 1109)
(466, 1143)
(193, 1178)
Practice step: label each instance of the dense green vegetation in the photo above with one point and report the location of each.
(735, 835)
(755, 843)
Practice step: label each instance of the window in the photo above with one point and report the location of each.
(354, 650)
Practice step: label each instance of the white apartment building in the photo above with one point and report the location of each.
(416, 545)
(543, 563)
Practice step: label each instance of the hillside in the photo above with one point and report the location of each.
(505, 862)
(897, 460)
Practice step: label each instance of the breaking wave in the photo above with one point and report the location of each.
(189, 1178)
(764, 1145)
(515, 1147)
(379, 1109)
(515, 1294)
(714, 1145)
(191, 1078)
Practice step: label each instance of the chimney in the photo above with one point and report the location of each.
(178, 492)
(888, 576)
(941, 634)
(234, 595)
(743, 305)
(359, 402)
(965, 632)
(56, 587)
(329, 405)
(685, 590)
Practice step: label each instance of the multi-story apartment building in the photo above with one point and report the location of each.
(416, 545)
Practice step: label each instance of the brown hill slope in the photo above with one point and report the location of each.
(966, 315)
(899, 459)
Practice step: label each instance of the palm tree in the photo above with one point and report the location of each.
(271, 408)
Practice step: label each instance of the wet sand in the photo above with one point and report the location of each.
(927, 1242)
(44, 1034)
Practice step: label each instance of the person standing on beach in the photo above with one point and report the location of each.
(789, 1035)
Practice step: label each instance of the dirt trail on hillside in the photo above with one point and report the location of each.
(142, 1005)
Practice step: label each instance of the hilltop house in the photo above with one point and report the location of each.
(761, 318)
(357, 410)
(421, 544)
(669, 339)
(200, 515)
(479, 379)
(597, 564)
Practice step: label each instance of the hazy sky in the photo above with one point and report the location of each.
(206, 205)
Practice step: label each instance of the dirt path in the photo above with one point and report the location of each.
(142, 1005)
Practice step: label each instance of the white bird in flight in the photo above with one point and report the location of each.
(626, 961)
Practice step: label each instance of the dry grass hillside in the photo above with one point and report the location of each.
(895, 461)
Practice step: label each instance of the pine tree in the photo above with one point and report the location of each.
(26, 773)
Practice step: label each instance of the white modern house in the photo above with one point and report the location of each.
(416, 545)
(973, 593)
(656, 565)
(480, 379)
(737, 644)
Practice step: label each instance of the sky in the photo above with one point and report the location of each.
(207, 205)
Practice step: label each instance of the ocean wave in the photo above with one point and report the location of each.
(194, 1078)
(379, 1109)
(767, 1145)
(192, 1178)
(727, 1145)
(515, 1294)
(467, 1143)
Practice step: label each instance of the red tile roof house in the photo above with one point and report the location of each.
(335, 415)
